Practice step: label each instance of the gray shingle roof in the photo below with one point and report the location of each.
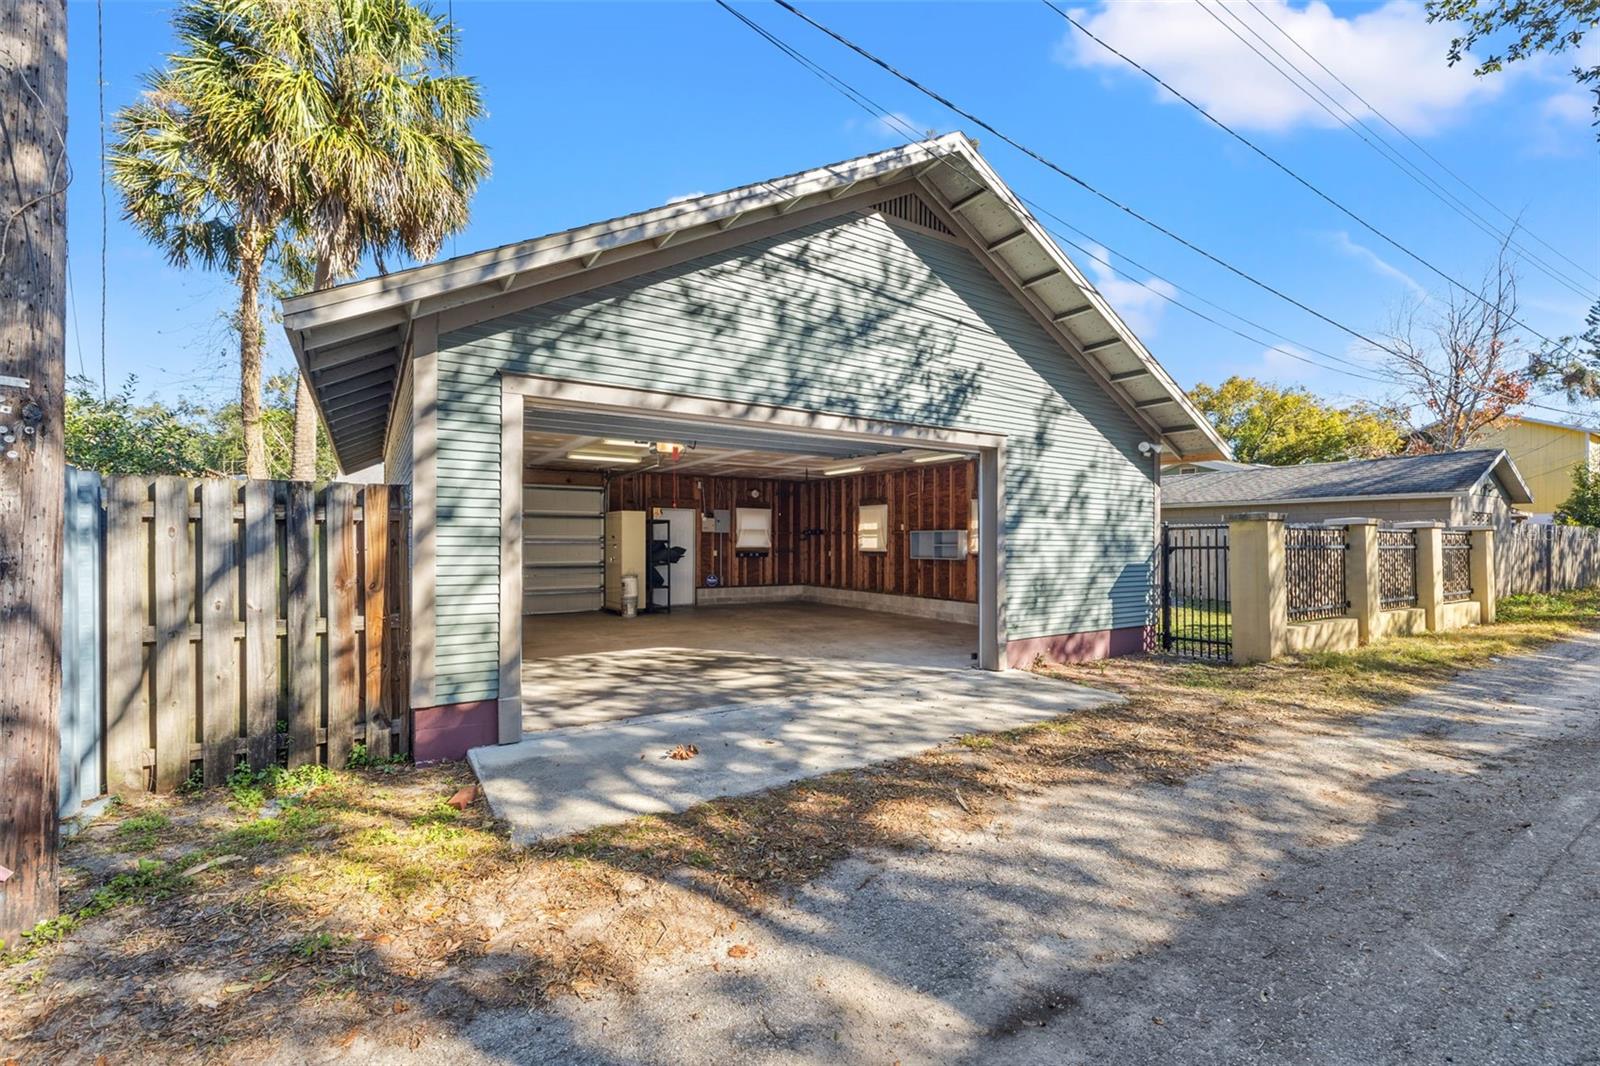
(1400, 475)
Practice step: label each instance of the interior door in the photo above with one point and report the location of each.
(685, 526)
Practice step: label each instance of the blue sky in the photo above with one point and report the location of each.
(599, 109)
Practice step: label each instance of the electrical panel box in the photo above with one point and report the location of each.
(939, 544)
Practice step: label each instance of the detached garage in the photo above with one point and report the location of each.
(866, 414)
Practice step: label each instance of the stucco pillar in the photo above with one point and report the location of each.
(1483, 575)
(1258, 598)
(1430, 570)
(1362, 579)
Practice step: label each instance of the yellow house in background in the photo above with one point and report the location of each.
(1545, 452)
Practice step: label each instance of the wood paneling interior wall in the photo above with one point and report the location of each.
(814, 527)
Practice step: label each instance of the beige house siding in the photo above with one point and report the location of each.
(1545, 455)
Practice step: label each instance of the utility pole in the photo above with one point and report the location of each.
(33, 264)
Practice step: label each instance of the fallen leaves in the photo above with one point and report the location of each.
(683, 751)
(741, 951)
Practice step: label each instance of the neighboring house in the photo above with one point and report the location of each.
(1458, 488)
(847, 356)
(1545, 452)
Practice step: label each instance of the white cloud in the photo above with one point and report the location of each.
(1390, 55)
(1575, 106)
(685, 198)
(1377, 263)
(1140, 305)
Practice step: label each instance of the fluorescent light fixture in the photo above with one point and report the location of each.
(836, 471)
(622, 443)
(939, 457)
(601, 457)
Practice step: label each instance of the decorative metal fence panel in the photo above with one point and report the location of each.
(1195, 619)
(1457, 564)
(250, 621)
(1397, 568)
(1314, 569)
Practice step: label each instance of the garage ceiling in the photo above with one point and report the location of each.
(624, 444)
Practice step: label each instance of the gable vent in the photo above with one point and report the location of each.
(909, 207)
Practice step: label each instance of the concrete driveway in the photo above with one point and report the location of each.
(563, 781)
(1416, 887)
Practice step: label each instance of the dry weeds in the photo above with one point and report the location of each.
(378, 904)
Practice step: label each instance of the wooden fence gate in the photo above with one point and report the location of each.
(251, 621)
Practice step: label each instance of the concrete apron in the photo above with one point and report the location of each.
(565, 781)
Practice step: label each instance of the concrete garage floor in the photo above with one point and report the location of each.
(579, 669)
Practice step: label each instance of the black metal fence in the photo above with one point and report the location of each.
(1457, 564)
(1195, 619)
(1397, 568)
(1314, 570)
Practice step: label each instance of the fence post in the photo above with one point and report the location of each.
(1483, 575)
(1258, 596)
(1430, 570)
(1362, 576)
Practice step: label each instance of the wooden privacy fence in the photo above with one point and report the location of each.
(251, 621)
(1547, 559)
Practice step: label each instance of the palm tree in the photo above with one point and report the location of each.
(325, 123)
(189, 162)
(385, 160)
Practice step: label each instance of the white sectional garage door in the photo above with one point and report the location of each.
(563, 548)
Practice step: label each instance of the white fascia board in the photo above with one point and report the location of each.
(313, 310)
(1171, 506)
(986, 175)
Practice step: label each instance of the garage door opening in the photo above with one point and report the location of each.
(676, 565)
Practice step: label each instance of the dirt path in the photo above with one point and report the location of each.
(1419, 886)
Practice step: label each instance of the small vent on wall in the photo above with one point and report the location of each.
(909, 207)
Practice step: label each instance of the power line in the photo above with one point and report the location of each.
(872, 107)
(1388, 152)
(1106, 197)
(1293, 174)
(100, 85)
(1401, 164)
(1076, 180)
(1263, 13)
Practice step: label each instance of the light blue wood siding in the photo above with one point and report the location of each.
(849, 316)
(81, 726)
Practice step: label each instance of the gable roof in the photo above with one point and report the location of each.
(352, 340)
(1574, 427)
(1444, 474)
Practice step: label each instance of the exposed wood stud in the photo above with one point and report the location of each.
(508, 281)
(730, 220)
(790, 204)
(1100, 346)
(666, 238)
(1039, 279)
(1157, 402)
(842, 190)
(1129, 375)
(1074, 313)
(592, 258)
